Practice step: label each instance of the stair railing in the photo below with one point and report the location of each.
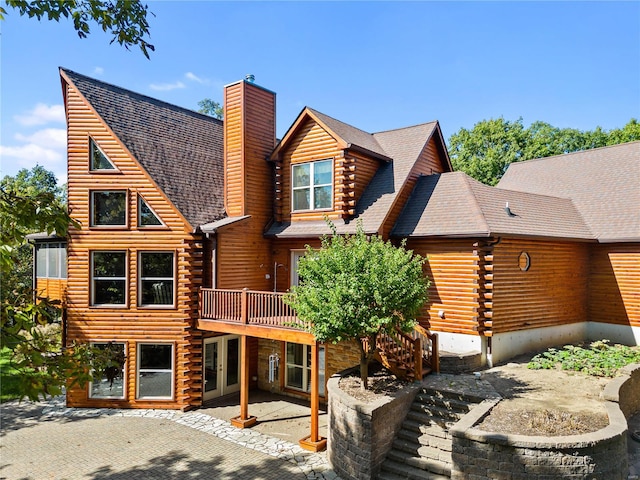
(429, 342)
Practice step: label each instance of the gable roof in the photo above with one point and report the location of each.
(454, 204)
(181, 150)
(403, 146)
(603, 183)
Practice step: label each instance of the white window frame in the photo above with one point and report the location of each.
(172, 278)
(124, 373)
(47, 247)
(92, 206)
(141, 201)
(306, 368)
(296, 255)
(155, 370)
(311, 187)
(94, 145)
(92, 279)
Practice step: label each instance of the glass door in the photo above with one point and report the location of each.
(221, 365)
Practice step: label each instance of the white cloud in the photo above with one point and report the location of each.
(167, 86)
(42, 114)
(53, 138)
(194, 78)
(98, 71)
(29, 155)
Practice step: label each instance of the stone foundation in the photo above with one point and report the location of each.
(460, 362)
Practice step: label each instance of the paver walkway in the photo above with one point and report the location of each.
(48, 441)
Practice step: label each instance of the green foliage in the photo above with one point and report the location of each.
(125, 20)
(598, 359)
(485, 151)
(355, 287)
(211, 108)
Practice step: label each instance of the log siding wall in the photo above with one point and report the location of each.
(614, 284)
(130, 324)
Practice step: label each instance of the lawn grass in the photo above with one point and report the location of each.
(9, 377)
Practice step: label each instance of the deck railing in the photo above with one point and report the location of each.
(248, 307)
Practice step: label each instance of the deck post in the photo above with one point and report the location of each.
(244, 307)
(314, 442)
(244, 420)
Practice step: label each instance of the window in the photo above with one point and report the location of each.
(299, 367)
(155, 370)
(109, 208)
(51, 260)
(108, 278)
(312, 185)
(111, 383)
(146, 216)
(98, 160)
(156, 279)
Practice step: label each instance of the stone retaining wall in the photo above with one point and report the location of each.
(481, 455)
(361, 434)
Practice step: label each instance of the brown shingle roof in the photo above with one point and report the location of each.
(180, 149)
(453, 204)
(404, 146)
(603, 183)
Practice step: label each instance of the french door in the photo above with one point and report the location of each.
(221, 366)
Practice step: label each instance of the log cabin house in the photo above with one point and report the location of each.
(192, 227)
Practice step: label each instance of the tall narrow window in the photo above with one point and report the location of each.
(109, 208)
(155, 370)
(312, 185)
(156, 279)
(298, 368)
(146, 216)
(98, 160)
(110, 382)
(108, 278)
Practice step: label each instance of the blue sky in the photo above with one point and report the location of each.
(375, 65)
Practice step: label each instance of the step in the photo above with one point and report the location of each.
(463, 397)
(437, 412)
(419, 455)
(443, 402)
(421, 418)
(435, 430)
(402, 470)
(425, 464)
(426, 439)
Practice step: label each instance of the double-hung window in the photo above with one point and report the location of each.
(108, 208)
(51, 260)
(109, 278)
(110, 382)
(155, 370)
(157, 279)
(298, 368)
(312, 185)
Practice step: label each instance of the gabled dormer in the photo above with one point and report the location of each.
(325, 167)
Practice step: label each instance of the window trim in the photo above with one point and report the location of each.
(141, 278)
(312, 186)
(92, 288)
(323, 368)
(124, 372)
(123, 226)
(142, 200)
(92, 144)
(173, 370)
(48, 246)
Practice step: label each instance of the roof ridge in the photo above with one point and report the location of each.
(466, 178)
(405, 128)
(577, 152)
(141, 95)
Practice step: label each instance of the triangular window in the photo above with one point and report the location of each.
(146, 216)
(98, 160)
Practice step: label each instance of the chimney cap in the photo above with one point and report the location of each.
(250, 78)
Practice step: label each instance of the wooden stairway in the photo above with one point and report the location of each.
(422, 448)
(410, 356)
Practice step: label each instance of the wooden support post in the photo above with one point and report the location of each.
(314, 442)
(244, 420)
(417, 359)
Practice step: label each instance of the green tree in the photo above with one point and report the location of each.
(211, 108)
(356, 287)
(32, 202)
(125, 20)
(485, 151)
